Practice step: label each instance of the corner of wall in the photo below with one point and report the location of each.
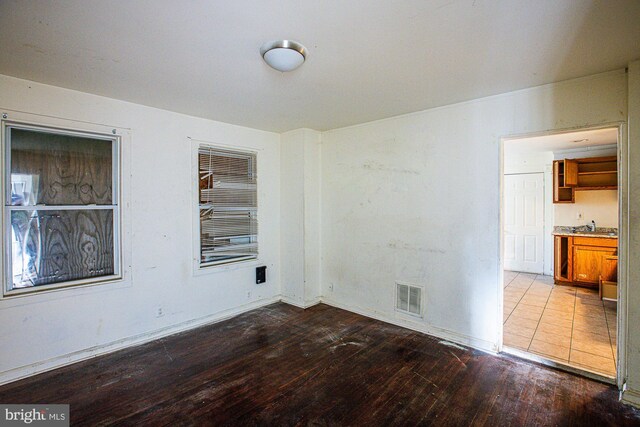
(300, 217)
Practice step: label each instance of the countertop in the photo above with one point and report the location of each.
(587, 234)
(601, 232)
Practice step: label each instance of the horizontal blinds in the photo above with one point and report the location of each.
(228, 205)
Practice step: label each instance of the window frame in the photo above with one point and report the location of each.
(7, 208)
(222, 265)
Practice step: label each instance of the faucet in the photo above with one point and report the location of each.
(592, 226)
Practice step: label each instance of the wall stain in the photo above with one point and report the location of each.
(373, 165)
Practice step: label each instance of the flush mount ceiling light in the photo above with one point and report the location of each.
(283, 55)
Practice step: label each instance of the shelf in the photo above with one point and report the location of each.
(598, 173)
(594, 173)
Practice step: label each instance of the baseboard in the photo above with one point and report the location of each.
(631, 397)
(444, 334)
(305, 304)
(78, 356)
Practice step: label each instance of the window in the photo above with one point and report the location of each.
(61, 208)
(228, 205)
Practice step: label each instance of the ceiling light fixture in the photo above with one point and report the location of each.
(283, 55)
(581, 140)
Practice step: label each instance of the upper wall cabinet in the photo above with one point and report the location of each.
(571, 175)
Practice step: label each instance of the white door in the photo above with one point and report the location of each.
(524, 222)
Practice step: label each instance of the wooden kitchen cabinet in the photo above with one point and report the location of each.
(579, 260)
(561, 192)
(592, 173)
(587, 263)
(563, 259)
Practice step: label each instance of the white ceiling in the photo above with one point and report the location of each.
(587, 139)
(368, 59)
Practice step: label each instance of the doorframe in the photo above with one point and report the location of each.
(623, 239)
(544, 206)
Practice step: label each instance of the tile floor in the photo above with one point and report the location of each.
(562, 323)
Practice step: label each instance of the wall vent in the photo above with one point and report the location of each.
(409, 299)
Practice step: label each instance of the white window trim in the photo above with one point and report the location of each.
(31, 121)
(219, 266)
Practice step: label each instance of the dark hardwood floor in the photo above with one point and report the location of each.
(281, 366)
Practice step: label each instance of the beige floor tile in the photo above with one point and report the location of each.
(534, 300)
(539, 284)
(612, 321)
(508, 305)
(562, 299)
(511, 328)
(538, 292)
(564, 315)
(562, 296)
(552, 338)
(589, 301)
(548, 349)
(517, 341)
(548, 280)
(512, 298)
(592, 347)
(593, 362)
(564, 289)
(525, 323)
(520, 313)
(574, 325)
(560, 330)
(590, 324)
(587, 293)
(529, 307)
(551, 320)
(590, 311)
(567, 308)
(597, 335)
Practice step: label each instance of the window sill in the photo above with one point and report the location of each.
(67, 286)
(225, 267)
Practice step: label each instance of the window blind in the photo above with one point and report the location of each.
(228, 205)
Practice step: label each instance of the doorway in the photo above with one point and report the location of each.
(569, 321)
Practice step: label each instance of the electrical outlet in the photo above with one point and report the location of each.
(331, 287)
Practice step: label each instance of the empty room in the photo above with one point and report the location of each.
(421, 212)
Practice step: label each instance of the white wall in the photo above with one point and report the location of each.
(600, 206)
(161, 293)
(537, 162)
(416, 199)
(632, 306)
(300, 216)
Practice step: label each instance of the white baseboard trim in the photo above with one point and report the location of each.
(444, 334)
(305, 304)
(78, 356)
(631, 397)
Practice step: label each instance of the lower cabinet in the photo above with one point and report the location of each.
(580, 260)
(587, 263)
